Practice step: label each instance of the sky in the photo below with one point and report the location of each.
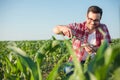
(35, 19)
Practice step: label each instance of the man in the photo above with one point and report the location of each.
(86, 33)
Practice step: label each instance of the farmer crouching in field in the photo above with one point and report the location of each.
(86, 33)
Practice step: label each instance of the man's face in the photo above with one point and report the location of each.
(93, 20)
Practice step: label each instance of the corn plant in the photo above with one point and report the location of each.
(31, 60)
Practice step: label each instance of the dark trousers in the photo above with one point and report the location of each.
(69, 69)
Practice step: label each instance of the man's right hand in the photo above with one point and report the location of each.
(62, 29)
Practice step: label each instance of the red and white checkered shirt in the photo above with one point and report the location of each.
(81, 32)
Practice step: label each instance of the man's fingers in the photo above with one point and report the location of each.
(88, 49)
(70, 34)
(67, 33)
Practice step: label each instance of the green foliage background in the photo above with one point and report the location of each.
(51, 51)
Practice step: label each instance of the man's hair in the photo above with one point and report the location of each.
(95, 9)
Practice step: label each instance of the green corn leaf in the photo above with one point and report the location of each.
(78, 72)
(55, 43)
(26, 61)
(92, 76)
(10, 65)
(101, 51)
(54, 71)
(86, 63)
(114, 54)
(108, 56)
(46, 47)
(112, 58)
(19, 65)
(116, 74)
(99, 57)
(39, 58)
(53, 38)
(31, 65)
(96, 65)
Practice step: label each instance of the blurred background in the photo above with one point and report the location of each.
(35, 19)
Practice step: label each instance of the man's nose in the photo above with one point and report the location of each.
(92, 22)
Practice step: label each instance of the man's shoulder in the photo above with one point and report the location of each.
(80, 23)
(102, 25)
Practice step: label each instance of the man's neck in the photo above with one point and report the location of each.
(92, 30)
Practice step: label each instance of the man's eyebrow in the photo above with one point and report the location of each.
(94, 19)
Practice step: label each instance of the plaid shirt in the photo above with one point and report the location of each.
(81, 32)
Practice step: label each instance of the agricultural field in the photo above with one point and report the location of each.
(45, 59)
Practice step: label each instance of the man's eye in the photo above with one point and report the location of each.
(96, 20)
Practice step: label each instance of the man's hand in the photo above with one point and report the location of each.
(90, 49)
(61, 29)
